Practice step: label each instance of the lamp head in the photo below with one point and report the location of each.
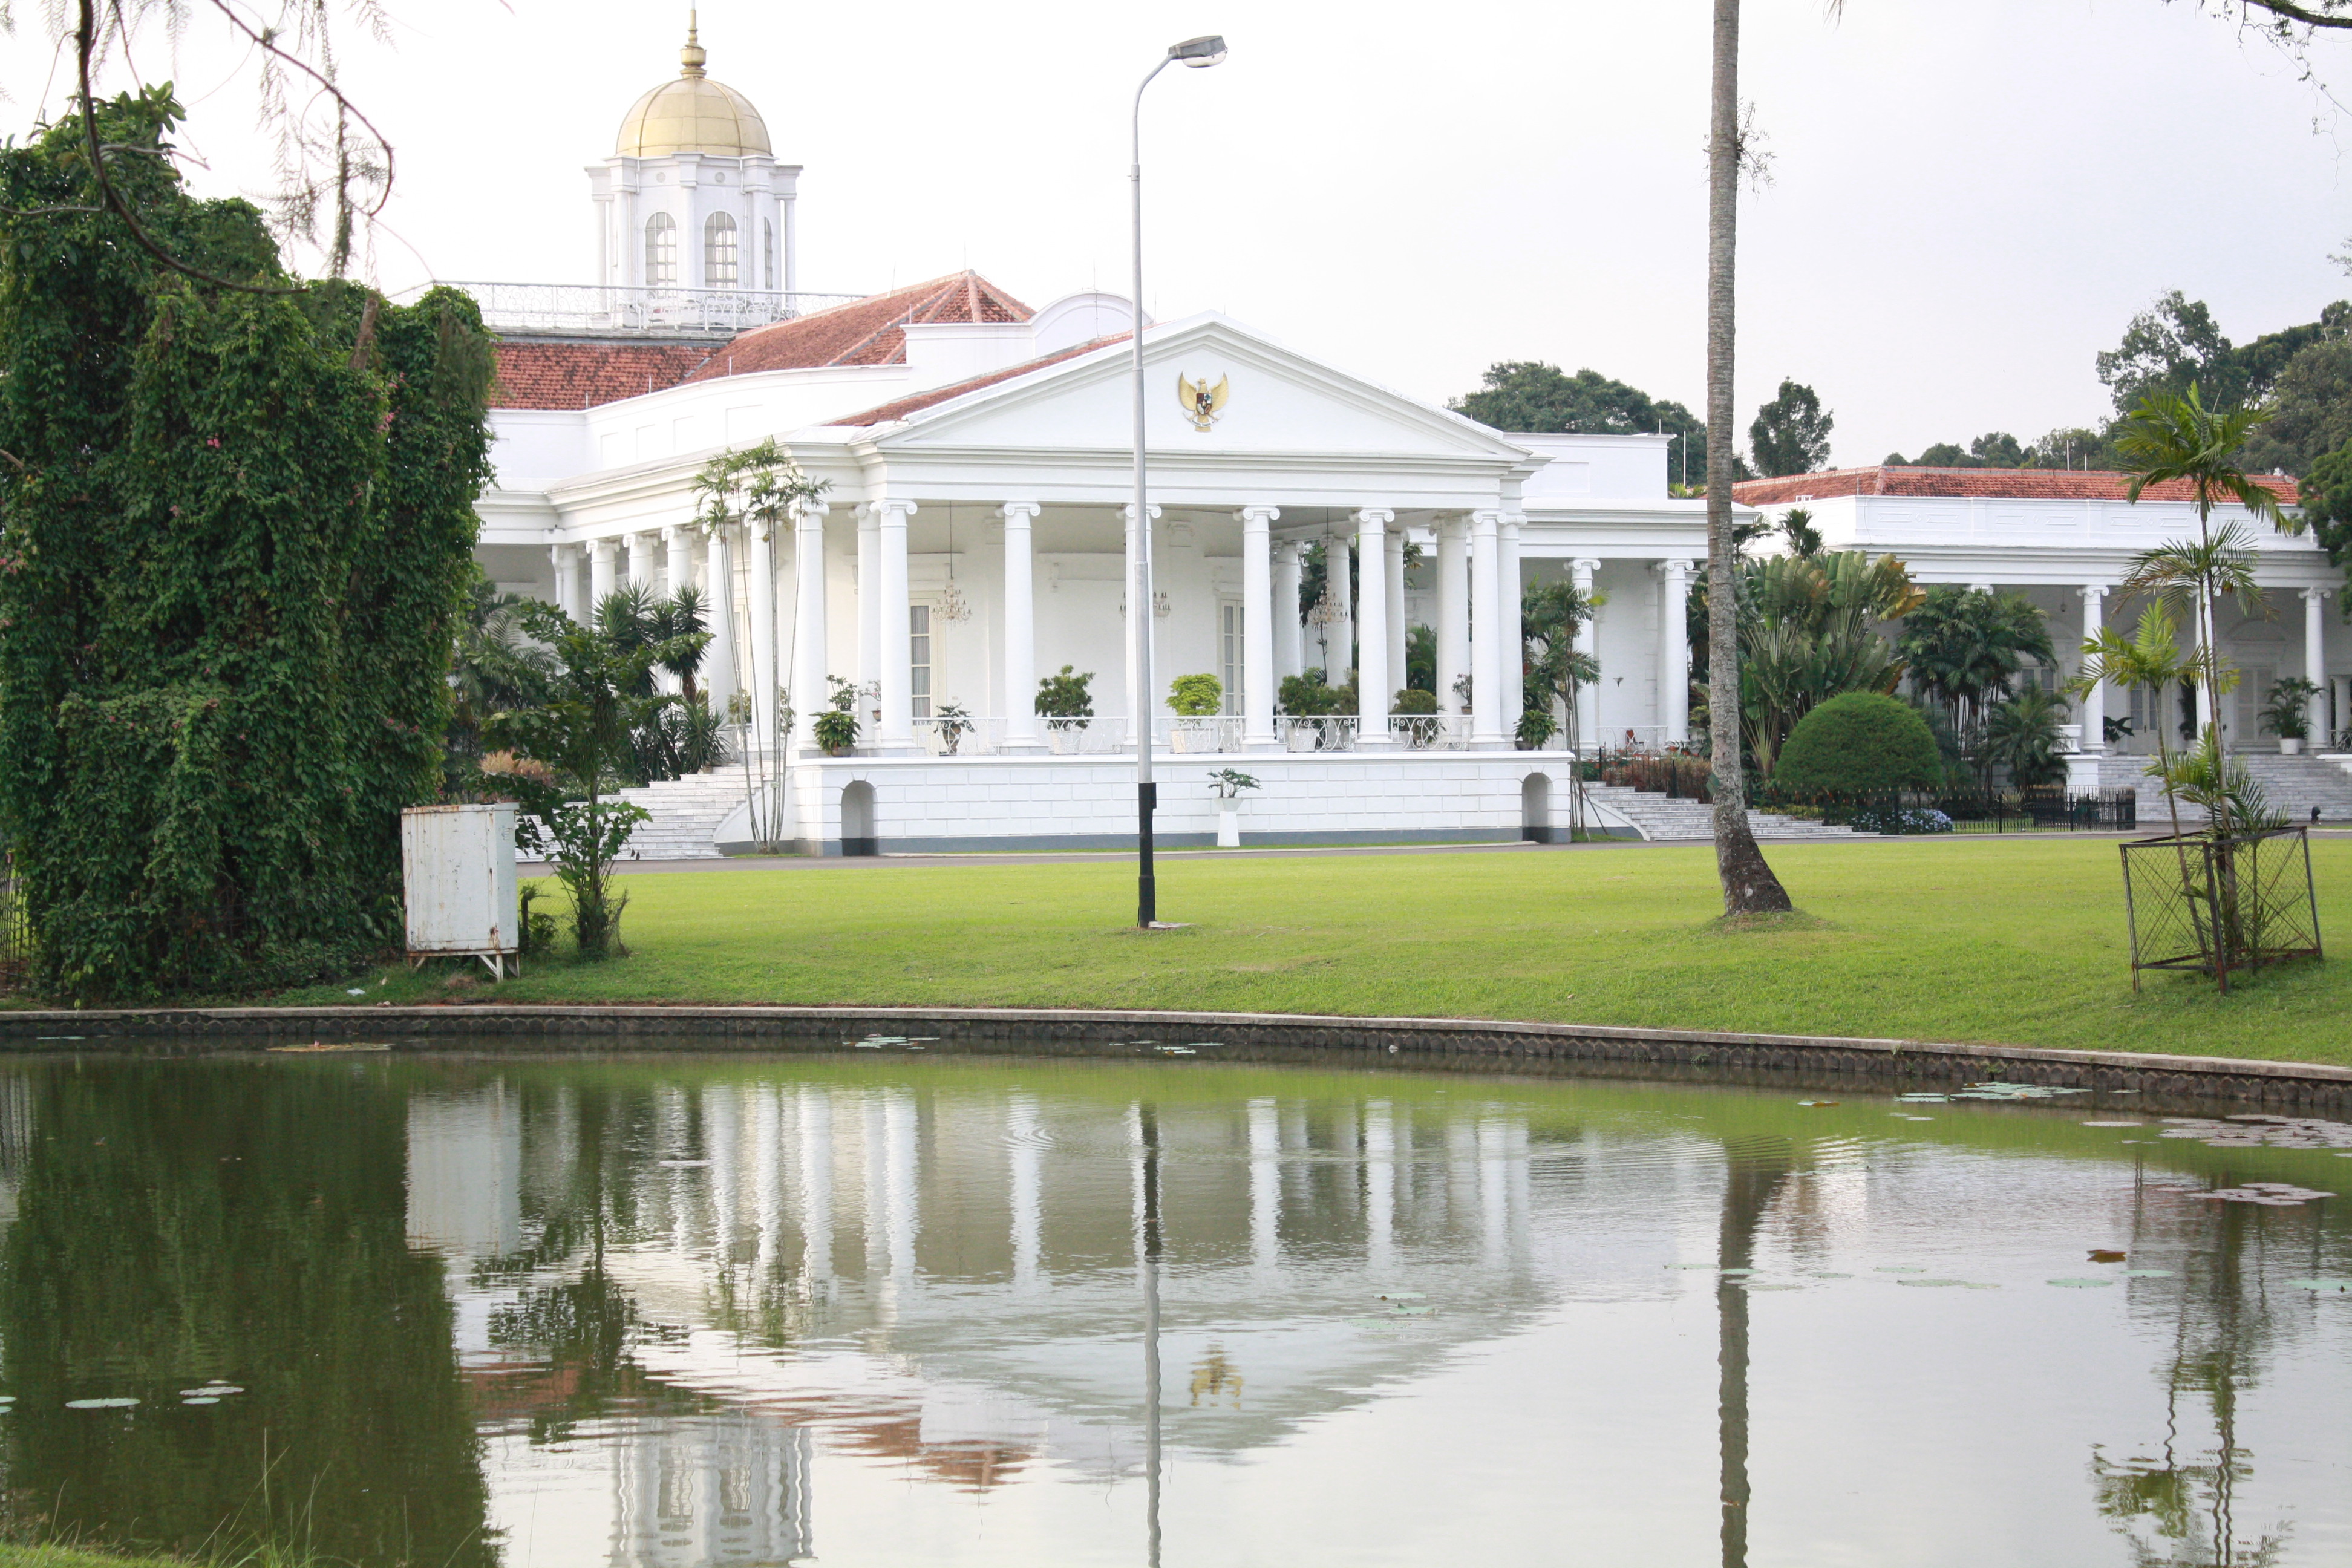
(1199, 53)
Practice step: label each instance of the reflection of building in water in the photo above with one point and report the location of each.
(465, 1173)
(732, 1488)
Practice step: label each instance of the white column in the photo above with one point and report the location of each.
(809, 687)
(1674, 651)
(1259, 600)
(1374, 688)
(1513, 637)
(1020, 627)
(1485, 639)
(897, 652)
(679, 541)
(2095, 700)
(1394, 575)
(555, 560)
(641, 559)
(718, 616)
(600, 577)
(869, 610)
(1287, 659)
(2314, 666)
(760, 631)
(1452, 614)
(1588, 641)
(1339, 656)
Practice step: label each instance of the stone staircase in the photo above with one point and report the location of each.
(1659, 818)
(2296, 785)
(687, 814)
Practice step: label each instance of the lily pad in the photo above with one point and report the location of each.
(202, 1399)
(2147, 1273)
(1899, 1269)
(99, 1404)
(2082, 1284)
(2333, 1287)
(1931, 1282)
(1768, 1285)
(2115, 1123)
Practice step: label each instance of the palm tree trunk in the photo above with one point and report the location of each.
(1748, 885)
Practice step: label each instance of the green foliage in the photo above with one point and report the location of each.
(2286, 712)
(1858, 743)
(1413, 700)
(2326, 505)
(1307, 695)
(1552, 669)
(2174, 343)
(1791, 433)
(1542, 399)
(1808, 630)
(1229, 783)
(1534, 727)
(678, 734)
(1065, 697)
(2021, 733)
(1962, 646)
(1196, 696)
(235, 532)
(1421, 658)
(755, 486)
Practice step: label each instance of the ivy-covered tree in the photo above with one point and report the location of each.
(236, 525)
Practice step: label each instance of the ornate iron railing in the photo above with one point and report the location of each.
(632, 310)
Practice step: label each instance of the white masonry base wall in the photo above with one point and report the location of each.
(936, 804)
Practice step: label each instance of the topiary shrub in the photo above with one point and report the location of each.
(1196, 696)
(1858, 743)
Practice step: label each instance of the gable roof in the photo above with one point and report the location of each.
(871, 331)
(551, 372)
(889, 413)
(2015, 484)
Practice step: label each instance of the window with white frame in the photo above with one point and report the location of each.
(719, 251)
(661, 249)
(918, 658)
(1229, 652)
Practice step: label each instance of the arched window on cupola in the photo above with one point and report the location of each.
(661, 249)
(768, 251)
(719, 252)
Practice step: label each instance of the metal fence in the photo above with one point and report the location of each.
(2038, 811)
(2217, 905)
(654, 311)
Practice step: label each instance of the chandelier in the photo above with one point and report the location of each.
(953, 605)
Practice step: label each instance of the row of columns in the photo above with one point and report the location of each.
(1478, 574)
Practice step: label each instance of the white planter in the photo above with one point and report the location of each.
(1229, 825)
(1193, 736)
(1064, 739)
(1303, 738)
(2290, 748)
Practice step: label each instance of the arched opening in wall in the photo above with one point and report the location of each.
(1534, 808)
(858, 819)
(661, 249)
(719, 252)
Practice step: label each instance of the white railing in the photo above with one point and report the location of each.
(1190, 737)
(965, 736)
(1317, 732)
(1084, 737)
(633, 309)
(1429, 732)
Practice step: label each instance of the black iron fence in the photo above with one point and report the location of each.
(1966, 810)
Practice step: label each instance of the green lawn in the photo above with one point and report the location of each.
(2002, 940)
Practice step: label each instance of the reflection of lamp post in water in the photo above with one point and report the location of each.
(1148, 1123)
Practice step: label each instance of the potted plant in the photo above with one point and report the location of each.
(1229, 783)
(837, 728)
(1196, 700)
(2287, 714)
(1308, 696)
(952, 723)
(1065, 704)
(1420, 708)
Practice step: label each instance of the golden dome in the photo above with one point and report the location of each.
(693, 114)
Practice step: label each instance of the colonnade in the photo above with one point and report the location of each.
(1477, 570)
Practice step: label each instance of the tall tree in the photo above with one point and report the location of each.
(1748, 885)
(1791, 433)
(1523, 394)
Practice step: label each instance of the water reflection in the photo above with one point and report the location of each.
(686, 1313)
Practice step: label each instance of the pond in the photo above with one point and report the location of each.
(893, 1307)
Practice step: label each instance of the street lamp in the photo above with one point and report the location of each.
(1197, 53)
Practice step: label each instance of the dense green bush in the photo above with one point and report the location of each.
(1308, 695)
(1858, 743)
(1411, 701)
(1196, 696)
(235, 534)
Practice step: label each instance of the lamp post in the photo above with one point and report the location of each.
(1197, 53)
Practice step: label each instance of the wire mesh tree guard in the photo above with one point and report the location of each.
(2217, 904)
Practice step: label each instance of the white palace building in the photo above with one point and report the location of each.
(974, 535)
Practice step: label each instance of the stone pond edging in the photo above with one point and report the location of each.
(1462, 1042)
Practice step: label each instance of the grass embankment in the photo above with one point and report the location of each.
(2006, 940)
(13, 1555)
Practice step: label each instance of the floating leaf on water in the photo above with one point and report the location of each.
(2337, 1287)
(99, 1404)
(1734, 1272)
(681, 1162)
(2081, 1284)
(2147, 1273)
(1817, 1103)
(1978, 1285)
(1828, 1275)
(2107, 1255)
(1915, 1118)
(1768, 1285)
(1403, 1311)
(1690, 1266)
(1405, 1296)
(1931, 1282)
(2115, 1123)
(202, 1399)
(1899, 1269)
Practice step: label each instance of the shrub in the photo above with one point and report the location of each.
(1536, 726)
(1305, 696)
(1897, 819)
(1859, 743)
(1411, 701)
(1065, 696)
(1196, 696)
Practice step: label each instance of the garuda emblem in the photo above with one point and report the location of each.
(1202, 401)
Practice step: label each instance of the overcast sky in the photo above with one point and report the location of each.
(1969, 201)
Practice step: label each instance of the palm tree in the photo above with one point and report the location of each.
(1808, 631)
(2150, 660)
(1964, 646)
(2175, 437)
(1748, 885)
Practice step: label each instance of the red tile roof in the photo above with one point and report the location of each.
(865, 332)
(919, 400)
(2019, 484)
(550, 373)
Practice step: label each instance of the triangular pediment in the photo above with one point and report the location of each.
(1267, 400)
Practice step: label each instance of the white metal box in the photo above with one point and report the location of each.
(459, 865)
